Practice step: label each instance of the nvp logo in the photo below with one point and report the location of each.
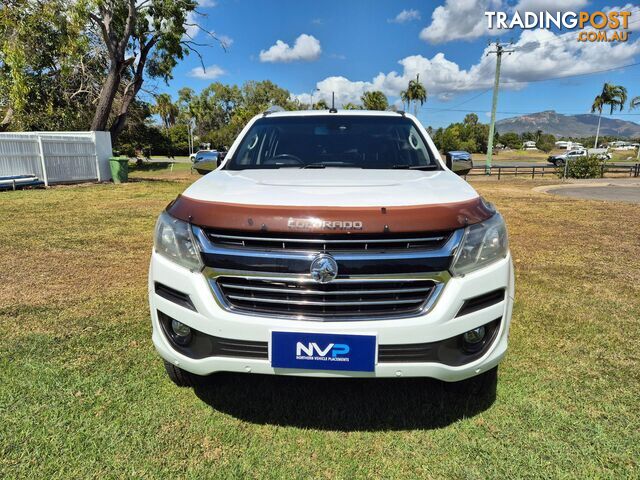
(323, 351)
(332, 352)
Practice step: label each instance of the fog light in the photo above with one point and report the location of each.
(181, 332)
(472, 341)
(472, 336)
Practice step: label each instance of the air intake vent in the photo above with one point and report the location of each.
(481, 301)
(174, 296)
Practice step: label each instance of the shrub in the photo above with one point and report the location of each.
(583, 167)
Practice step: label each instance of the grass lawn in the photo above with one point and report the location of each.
(83, 394)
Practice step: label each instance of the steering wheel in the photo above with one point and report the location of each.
(288, 156)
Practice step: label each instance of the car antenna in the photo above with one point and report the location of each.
(333, 103)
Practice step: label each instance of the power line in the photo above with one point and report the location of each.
(466, 101)
(596, 72)
(585, 74)
(614, 114)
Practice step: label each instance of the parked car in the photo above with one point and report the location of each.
(205, 161)
(559, 160)
(334, 244)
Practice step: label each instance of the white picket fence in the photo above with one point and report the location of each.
(56, 157)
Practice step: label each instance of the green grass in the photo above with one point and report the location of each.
(83, 394)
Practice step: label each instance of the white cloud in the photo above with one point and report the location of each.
(465, 19)
(405, 16)
(207, 3)
(459, 20)
(306, 47)
(209, 73)
(539, 54)
(550, 5)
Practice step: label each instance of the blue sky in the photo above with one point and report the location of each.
(351, 46)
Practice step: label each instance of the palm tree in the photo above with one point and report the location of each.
(615, 96)
(375, 100)
(167, 110)
(415, 92)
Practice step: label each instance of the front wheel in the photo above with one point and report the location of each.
(479, 385)
(180, 377)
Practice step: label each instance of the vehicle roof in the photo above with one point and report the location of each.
(311, 113)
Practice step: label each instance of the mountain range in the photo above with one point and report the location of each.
(560, 125)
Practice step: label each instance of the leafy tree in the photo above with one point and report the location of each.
(546, 142)
(511, 140)
(221, 111)
(375, 100)
(471, 119)
(321, 105)
(416, 93)
(351, 106)
(49, 70)
(614, 96)
(141, 37)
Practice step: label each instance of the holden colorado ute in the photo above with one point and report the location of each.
(331, 243)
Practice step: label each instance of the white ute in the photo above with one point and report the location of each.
(331, 244)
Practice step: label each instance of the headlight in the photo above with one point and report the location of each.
(482, 244)
(174, 240)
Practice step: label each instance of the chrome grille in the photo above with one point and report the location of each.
(338, 299)
(330, 243)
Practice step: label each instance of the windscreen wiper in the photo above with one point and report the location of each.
(415, 167)
(330, 164)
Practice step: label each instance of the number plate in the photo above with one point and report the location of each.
(323, 351)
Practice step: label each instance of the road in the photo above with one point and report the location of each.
(618, 190)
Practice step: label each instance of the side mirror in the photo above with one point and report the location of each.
(460, 164)
(448, 162)
(221, 157)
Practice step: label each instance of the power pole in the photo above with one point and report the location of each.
(494, 104)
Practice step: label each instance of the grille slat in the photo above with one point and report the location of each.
(334, 242)
(312, 292)
(351, 298)
(328, 303)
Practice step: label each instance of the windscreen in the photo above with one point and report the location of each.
(327, 141)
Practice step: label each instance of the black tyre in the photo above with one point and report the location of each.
(180, 377)
(479, 385)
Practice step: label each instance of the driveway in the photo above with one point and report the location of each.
(619, 190)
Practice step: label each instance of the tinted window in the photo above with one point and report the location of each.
(333, 141)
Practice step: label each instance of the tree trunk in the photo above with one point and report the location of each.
(132, 90)
(121, 120)
(598, 131)
(107, 94)
(6, 121)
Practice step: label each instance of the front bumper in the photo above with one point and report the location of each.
(439, 323)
